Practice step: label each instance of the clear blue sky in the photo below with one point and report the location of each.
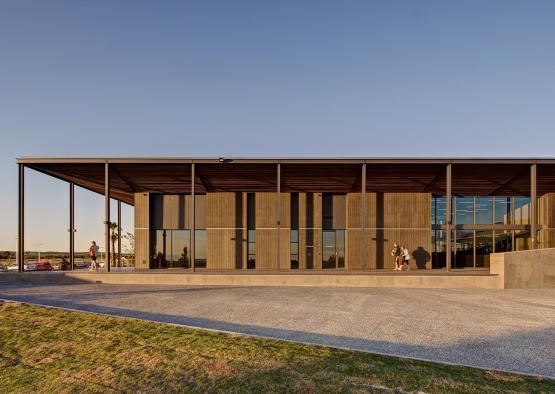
(287, 78)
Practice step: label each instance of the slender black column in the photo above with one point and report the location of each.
(72, 225)
(21, 220)
(193, 224)
(119, 233)
(107, 214)
(448, 220)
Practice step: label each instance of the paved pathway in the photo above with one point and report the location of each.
(511, 330)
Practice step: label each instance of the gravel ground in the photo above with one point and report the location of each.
(512, 330)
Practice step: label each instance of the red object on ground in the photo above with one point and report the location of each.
(43, 266)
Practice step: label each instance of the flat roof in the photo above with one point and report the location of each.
(443, 160)
(471, 176)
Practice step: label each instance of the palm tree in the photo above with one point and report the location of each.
(113, 237)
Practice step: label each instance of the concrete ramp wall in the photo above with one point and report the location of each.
(527, 269)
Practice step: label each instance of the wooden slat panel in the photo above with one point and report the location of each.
(200, 211)
(221, 248)
(266, 243)
(142, 232)
(339, 211)
(171, 212)
(352, 249)
(220, 210)
(285, 210)
(418, 243)
(266, 210)
(285, 248)
(407, 210)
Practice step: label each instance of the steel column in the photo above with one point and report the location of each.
(72, 225)
(119, 233)
(363, 219)
(193, 224)
(107, 215)
(278, 214)
(448, 219)
(21, 221)
(533, 207)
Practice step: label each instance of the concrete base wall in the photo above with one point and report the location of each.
(527, 269)
(437, 281)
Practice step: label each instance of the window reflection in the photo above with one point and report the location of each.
(465, 210)
(170, 249)
(484, 246)
(200, 248)
(484, 210)
(522, 210)
(464, 248)
(503, 241)
(503, 210)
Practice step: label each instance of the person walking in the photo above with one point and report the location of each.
(396, 253)
(93, 252)
(406, 257)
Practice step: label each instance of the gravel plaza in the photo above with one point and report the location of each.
(511, 330)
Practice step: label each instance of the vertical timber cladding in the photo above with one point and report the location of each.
(406, 219)
(266, 231)
(390, 217)
(546, 215)
(225, 230)
(142, 231)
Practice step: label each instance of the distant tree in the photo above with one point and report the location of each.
(130, 247)
(114, 238)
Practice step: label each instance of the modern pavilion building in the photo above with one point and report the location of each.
(309, 214)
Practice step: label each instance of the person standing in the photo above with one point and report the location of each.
(93, 252)
(406, 257)
(396, 253)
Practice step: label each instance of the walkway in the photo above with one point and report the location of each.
(511, 330)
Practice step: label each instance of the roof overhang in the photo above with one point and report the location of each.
(471, 176)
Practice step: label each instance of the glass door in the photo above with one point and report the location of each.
(333, 249)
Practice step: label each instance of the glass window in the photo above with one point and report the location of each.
(522, 210)
(503, 241)
(295, 236)
(465, 210)
(200, 248)
(484, 210)
(438, 248)
(464, 249)
(158, 249)
(503, 210)
(340, 247)
(294, 249)
(328, 249)
(484, 246)
(327, 211)
(251, 249)
(180, 248)
(439, 209)
(522, 239)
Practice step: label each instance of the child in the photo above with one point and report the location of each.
(406, 257)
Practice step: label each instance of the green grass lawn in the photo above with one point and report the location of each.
(51, 350)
